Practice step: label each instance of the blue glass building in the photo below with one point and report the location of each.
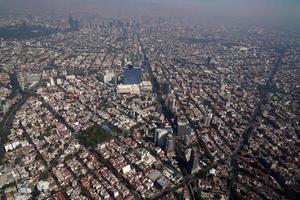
(132, 75)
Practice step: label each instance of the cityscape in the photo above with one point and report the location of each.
(150, 108)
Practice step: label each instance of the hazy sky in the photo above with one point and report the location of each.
(271, 11)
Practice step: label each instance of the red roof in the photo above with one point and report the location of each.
(59, 196)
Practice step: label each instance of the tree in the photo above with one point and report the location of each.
(18, 160)
(85, 192)
(54, 162)
(60, 152)
(94, 135)
(44, 175)
(39, 157)
(66, 145)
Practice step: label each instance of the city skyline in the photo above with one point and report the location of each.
(259, 12)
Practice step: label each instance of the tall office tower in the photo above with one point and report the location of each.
(74, 24)
(169, 142)
(228, 100)
(188, 154)
(71, 23)
(208, 120)
(208, 61)
(183, 127)
(174, 104)
(160, 136)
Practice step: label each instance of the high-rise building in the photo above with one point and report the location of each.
(183, 127)
(161, 137)
(208, 61)
(169, 147)
(73, 23)
(174, 104)
(208, 120)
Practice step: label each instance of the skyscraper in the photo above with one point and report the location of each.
(208, 120)
(73, 23)
(169, 147)
(164, 138)
(208, 61)
(183, 127)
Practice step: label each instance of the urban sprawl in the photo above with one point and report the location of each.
(148, 109)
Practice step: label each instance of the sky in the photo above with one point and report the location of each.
(285, 12)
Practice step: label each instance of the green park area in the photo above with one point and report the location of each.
(94, 135)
